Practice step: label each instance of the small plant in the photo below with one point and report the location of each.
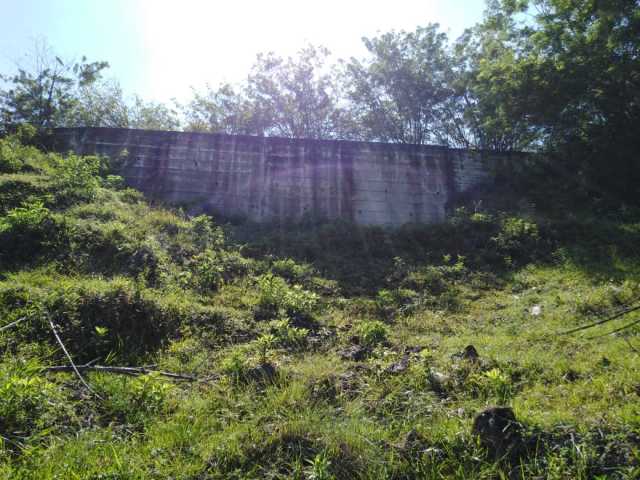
(234, 365)
(371, 332)
(277, 298)
(264, 343)
(319, 468)
(493, 383)
(132, 401)
(28, 402)
(290, 270)
(287, 335)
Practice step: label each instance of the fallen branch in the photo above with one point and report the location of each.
(12, 324)
(73, 365)
(631, 345)
(624, 327)
(606, 320)
(122, 371)
(12, 442)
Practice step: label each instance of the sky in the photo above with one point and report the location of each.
(160, 49)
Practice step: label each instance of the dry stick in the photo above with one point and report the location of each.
(600, 322)
(75, 369)
(631, 345)
(12, 442)
(624, 327)
(120, 370)
(12, 324)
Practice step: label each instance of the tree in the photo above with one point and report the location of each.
(151, 115)
(403, 91)
(43, 94)
(571, 71)
(296, 97)
(224, 110)
(100, 104)
(490, 89)
(293, 97)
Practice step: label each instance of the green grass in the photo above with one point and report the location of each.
(264, 317)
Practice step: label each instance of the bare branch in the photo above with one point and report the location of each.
(73, 366)
(12, 324)
(606, 320)
(122, 371)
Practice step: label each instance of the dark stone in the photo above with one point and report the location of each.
(499, 432)
(399, 366)
(469, 353)
(355, 353)
(262, 373)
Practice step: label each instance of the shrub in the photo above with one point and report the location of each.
(287, 335)
(31, 230)
(137, 320)
(292, 271)
(371, 332)
(28, 401)
(14, 155)
(131, 400)
(517, 241)
(492, 384)
(213, 268)
(205, 234)
(75, 178)
(277, 297)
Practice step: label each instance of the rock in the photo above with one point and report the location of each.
(399, 366)
(351, 382)
(410, 443)
(469, 353)
(262, 373)
(571, 375)
(438, 382)
(604, 362)
(499, 432)
(414, 349)
(536, 310)
(355, 353)
(324, 388)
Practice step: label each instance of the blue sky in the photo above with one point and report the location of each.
(160, 48)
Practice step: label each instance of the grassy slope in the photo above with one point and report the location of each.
(130, 284)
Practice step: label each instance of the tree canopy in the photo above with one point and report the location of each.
(557, 76)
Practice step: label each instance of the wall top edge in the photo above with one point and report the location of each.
(172, 134)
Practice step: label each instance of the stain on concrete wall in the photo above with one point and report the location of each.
(278, 179)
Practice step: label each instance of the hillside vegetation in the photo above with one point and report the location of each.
(323, 351)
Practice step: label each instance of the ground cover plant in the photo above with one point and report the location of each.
(323, 351)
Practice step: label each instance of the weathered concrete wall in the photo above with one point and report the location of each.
(277, 179)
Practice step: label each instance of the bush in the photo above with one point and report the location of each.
(95, 318)
(75, 178)
(371, 332)
(213, 268)
(29, 231)
(292, 271)
(517, 241)
(13, 154)
(287, 335)
(277, 298)
(131, 400)
(205, 234)
(29, 403)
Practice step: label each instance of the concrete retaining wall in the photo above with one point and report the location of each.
(278, 179)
